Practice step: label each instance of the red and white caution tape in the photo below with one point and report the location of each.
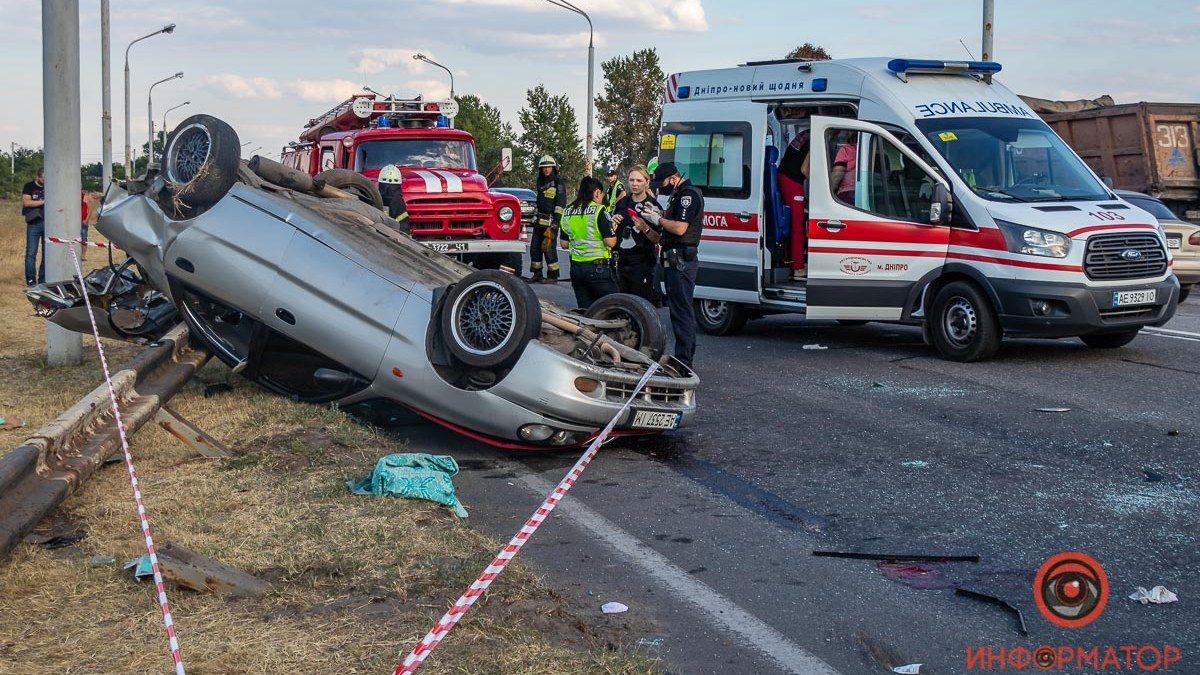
(81, 242)
(168, 624)
(451, 617)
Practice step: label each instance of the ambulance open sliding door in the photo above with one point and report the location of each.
(719, 147)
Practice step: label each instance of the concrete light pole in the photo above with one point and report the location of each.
(426, 59)
(60, 120)
(150, 116)
(169, 28)
(567, 5)
(164, 125)
(106, 101)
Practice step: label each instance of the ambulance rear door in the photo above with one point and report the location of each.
(719, 147)
(878, 236)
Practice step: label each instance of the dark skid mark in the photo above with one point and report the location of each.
(1158, 365)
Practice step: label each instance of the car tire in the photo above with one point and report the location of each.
(648, 334)
(488, 318)
(1109, 340)
(200, 164)
(355, 183)
(719, 317)
(964, 325)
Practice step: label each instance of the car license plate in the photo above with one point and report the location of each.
(650, 419)
(448, 246)
(1174, 242)
(1125, 298)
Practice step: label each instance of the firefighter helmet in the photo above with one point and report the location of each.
(389, 174)
(547, 160)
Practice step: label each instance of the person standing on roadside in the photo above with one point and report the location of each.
(33, 209)
(588, 234)
(637, 240)
(614, 189)
(681, 225)
(551, 199)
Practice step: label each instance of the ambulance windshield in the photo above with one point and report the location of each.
(1005, 159)
(426, 152)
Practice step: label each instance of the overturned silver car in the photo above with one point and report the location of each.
(304, 286)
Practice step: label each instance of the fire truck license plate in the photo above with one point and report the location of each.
(649, 419)
(1123, 298)
(448, 246)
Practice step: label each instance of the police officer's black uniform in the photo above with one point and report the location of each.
(680, 260)
(551, 200)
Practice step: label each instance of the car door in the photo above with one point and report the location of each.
(872, 244)
(719, 148)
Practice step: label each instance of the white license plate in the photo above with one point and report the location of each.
(649, 419)
(447, 246)
(1125, 298)
(1175, 242)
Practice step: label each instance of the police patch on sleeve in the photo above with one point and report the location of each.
(686, 201)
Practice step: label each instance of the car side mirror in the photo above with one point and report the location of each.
(939, 208)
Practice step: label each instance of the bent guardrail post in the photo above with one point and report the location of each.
(52, 463)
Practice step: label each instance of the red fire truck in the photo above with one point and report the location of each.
(449, 205)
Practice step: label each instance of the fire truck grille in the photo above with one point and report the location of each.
(437, 214)
(1124, 256)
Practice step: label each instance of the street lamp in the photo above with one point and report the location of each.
(426, 59)
(567, 5)
(169, 28)
(150, 115)
(164, 126)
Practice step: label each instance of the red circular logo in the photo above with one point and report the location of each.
(1070, 589)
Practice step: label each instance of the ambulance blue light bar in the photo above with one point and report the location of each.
(911, 66)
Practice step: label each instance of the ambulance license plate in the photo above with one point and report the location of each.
(1174, 241)
(448, 246)
(650, 419)
(1126, 298)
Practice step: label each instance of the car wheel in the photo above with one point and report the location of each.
(964, 326)
(645, 332)
(488, 318)
(200, 164)
(355, 183)
(1109, 340)
(718, 317)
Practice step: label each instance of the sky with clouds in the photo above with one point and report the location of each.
(268, 66)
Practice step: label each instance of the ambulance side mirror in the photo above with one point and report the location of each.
(939, 207)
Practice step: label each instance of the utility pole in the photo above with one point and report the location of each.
(60, 120)
(106, 101)
(989, 15)
(569, 6)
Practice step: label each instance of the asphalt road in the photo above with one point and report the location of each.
(875, 445)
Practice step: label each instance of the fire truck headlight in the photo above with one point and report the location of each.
(505, 213)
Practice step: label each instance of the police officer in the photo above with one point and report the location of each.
(587, 232)
(614, 189)
(681, 225)
(393, 196)
(551, 199)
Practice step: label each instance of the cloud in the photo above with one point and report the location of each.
(671, 15)
(430, 89)
(543, 42)
(330, 91)
(874, 12)
(245, 87)
(377, 59)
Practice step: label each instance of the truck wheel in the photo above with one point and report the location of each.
(1109, 340)
(489, 317)
(645, 332)
(355, 183)
(200, 164)
(964, 326)
(718, 317)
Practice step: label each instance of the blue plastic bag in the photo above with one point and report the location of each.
(413, 476)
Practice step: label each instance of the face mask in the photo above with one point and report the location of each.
(666, 189)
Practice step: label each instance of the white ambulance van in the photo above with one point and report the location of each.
(955, 208)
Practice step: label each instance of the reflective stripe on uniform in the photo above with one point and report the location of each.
(584, 231)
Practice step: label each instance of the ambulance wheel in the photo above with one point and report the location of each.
(488, 319)
(1109, 340)
(200, 164)
(964, 326)
(645, 331)
(355, 183)
(718, 317)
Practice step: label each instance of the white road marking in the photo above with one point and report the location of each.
(433, 184)
(720, 611)
(1169, 333)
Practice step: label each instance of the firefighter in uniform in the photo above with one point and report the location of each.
(681, 225)
(551, 199)
(393, 196)
(587, 233)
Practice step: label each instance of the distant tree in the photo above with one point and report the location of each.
(550, 128)
(13, 178)
(630, 108)
(809, 51)
(492, 135)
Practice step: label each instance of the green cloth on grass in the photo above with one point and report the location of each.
(414, 476)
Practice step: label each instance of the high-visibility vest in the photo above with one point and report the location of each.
(610, 198)
(584, 230)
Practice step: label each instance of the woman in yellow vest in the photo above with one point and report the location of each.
(588, 234)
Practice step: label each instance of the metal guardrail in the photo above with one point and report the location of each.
(51, 464)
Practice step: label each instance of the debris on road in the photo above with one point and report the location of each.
(613, 608)
(211, 390)
(1054, 410)
(5, 425)
(815, 346)
(926, 577)
(56, 540)
(984, 597)
(101, 560)
(1152, 476)
(141, 566)
(1158, 595)
(189, 569)
(910, 669)
(896, 557)
(654, 643)
(915, 464)
(1173, 432)
(413, 476)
